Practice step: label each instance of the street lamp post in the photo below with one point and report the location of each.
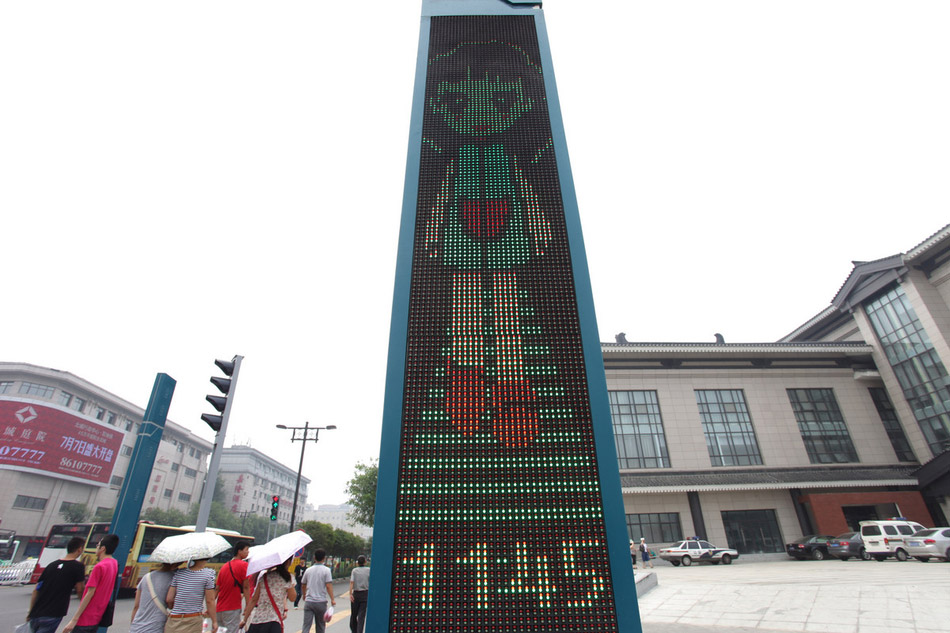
(306, 434)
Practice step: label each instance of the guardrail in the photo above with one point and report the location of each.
(17, 573)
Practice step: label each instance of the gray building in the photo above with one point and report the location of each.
(251, 480)
(67, 441)
(845, 419)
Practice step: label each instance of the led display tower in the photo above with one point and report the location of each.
(498, 502)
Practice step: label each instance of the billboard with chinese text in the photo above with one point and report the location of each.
(56, 443)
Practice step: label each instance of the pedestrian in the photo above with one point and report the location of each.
(267, 608)
(317, 585)
(98, 592)
(298, 577)
(633, 553)
(645, 553)
(149, 613)
(191, 593)
(50, 600)
(232, 588)
(359, 590)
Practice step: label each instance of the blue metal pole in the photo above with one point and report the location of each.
(135, 485)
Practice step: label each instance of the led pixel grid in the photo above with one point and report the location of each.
(499, 522)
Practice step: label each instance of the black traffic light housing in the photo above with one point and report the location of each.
(274, 506)
(225, 385)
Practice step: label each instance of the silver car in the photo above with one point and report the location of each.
(929, 543)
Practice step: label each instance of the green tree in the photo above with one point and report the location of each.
(75, 513)
(362, 493)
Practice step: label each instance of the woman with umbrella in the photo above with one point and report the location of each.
(267, 608)
(150, 611)
(191, 590)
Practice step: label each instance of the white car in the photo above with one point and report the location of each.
(931, 543)
(883, 539)
(693, 550)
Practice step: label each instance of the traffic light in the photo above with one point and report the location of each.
(274, 505)
(226, 384)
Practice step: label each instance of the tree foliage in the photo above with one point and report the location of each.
(362, 493)
(75, 513)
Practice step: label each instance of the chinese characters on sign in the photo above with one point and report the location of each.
(57, 443)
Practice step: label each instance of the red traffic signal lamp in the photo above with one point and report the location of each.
(274, 506)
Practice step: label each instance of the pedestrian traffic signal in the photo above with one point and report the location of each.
(274, 505)
(225, 385)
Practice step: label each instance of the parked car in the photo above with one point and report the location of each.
(883, 539)
(814, 547)
(930, 543)
(693, 550)
(848, 545)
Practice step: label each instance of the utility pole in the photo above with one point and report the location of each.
(303, 436)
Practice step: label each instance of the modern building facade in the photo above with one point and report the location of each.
(67, 441)
(338, 517)
(251, 480)
(845, 419)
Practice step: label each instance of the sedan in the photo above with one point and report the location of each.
(848, 545)
(693, 550)
(930, 543)
(814, 547)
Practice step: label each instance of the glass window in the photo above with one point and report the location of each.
(175, 468)
(190, 472)
(168, 493)
(821, 424)
(638, 429)
(730, 437)
(892, 425)
(891, 530)
(184, 496)
(29, 503)
(35, 389)
(110, 418)
(658, 527)
(6, 386)
(753, 531)
(905, 529)
(115, 481)
(65, 398)
(99, 413)
(126, 450)
(922, 376)
(692, 545)
(78, 404)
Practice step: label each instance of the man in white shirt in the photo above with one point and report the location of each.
(317, 587)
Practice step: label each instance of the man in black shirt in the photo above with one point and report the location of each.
(50, 600)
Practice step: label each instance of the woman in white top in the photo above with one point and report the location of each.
(267, 609)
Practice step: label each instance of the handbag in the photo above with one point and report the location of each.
(280, 615)
(106, 619)
(22, 628)
(151, 588)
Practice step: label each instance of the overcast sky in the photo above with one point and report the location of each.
(181, 181)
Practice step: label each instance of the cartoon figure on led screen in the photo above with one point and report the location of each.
(486, 222)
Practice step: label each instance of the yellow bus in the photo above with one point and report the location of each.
(147, 537)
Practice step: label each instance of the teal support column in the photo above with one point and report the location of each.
(137, 479)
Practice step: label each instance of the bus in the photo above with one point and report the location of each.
(59, 536)
(147, 537)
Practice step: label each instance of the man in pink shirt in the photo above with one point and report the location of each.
(99, 588)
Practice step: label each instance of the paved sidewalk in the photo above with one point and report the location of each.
(827, 596)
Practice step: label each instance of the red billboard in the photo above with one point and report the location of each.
(57, 443)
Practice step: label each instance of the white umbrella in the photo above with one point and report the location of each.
(188, 546)
(276, 551)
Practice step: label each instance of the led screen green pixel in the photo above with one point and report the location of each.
(499, 522)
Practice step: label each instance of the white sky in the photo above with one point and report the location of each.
(181, 181)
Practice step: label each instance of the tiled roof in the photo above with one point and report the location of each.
(768, 479)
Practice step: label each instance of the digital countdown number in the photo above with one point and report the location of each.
(499, 520)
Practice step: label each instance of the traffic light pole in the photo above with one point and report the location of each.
(211, 477)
